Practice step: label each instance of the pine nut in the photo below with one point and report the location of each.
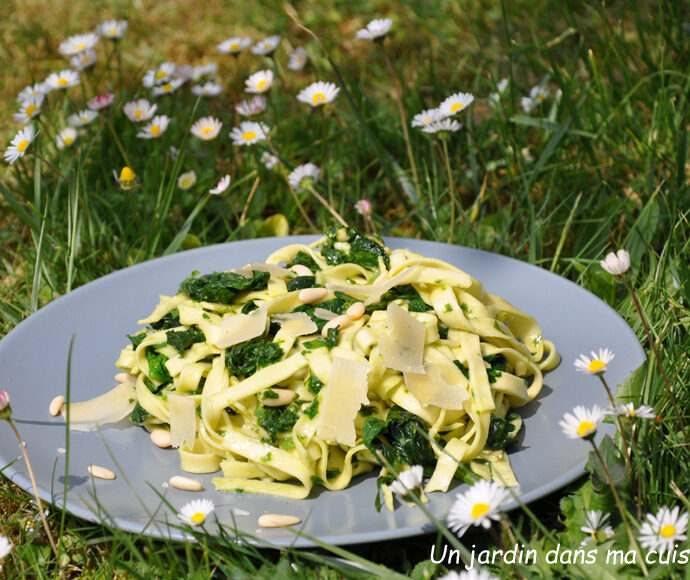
(278, 520)
(338, 322)
(285, 396)
(101, 472)
(301, 270)
(56, 405)
(311, 295)
(341, 235)
(355, 311)
(185, 483)
(125, 378)
(161, 438)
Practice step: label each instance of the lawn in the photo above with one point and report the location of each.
(571, 142)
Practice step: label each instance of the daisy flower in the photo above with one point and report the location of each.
(375, 29)
(661, 531)
(234, 45)
(127, 178)
(5, 547)
(209, 69)
(318, 93)
(494, 98)
(527, 104)
(17, 149)
(477, 506)
(160, 75)
(113, 29)
(139, 110)
(249, 133)
(456, 103)
(471, 574)
(304, 176)
(66, 137)
(83, 60)
(206, 128)
(221, 186)
(78, 43)
(82, 118)
(208, 89)
(194, 513)
(31, 91)
(538, 93)
(596, 527)
(425, 117)
(155, 128)
(186, 180)
(62, 80)
(268, 160)
(407, 481)
(183, 71)
(29, 109)
(259, 82)
(364, 207)
(582, 422)
(596, 365)
(169, 87)
(101, 101)
(266, 46)
(250, 108)
(297, 59)
(442, 126)
(629, 410)
(616, 264)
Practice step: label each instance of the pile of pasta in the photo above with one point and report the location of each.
(424, 347)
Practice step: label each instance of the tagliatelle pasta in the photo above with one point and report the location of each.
(281, 388)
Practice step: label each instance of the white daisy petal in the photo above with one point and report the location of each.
(661, 531)
(101, 101)
(582, 422)
(155, 128)
(616, 264)
(66, 137)
(222, 185)
(82, 118)
(304, 176)
(251, 108)
(259, 82)
(318, 93)
(194, 513)
(206, 128)
(455, 104)
(442, 126)
(20, 143)
(208, 89)
(249, 133)
(170, 87)
(477, 506)
(158, 76)
(268, 160)
(266, 46)
(113, 29)
(29, 109)
(78, 43)
(5, 547)
(234, 45)
(139, 110)
(83, 60)
(407, 481)
(186, 180)
(375, 29)
(595, 365)
(34, 90)
(62, 80)
(297, 59)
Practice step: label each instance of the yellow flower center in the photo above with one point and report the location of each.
(198, 517)
(540, 97)
(596, 366)
(30, 109)
(23, 145)
(155, 130)
(456, 107)
(632, 412)
(137, 113)
(81, 46)
(261, 84)
(479, 509)
(62, 83)
(207, 130)
(160, 75)
(234, 46)
(68, 140)
(667, 531)
(127, 174)
(113, 32)
(426, 120)
(318, 98)
(267, 45)
(186, 182)
(585, 428)
(167, 87)
(249, 135)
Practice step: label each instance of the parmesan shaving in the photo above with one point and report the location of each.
(237, 328)
(296, 323)
(110, 407)
(324, 314)
(182, 420)
(403, 348)
(377, 289)
(432, 388)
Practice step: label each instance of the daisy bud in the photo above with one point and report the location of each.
(5, 409)
(364, 207)
(617, 264)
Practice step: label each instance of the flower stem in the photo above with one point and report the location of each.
(624, 437)
(328, 206)
(46, 527)
(451, 185)
(403, 119)
(669, 390)
(243, 217)
(621, 509)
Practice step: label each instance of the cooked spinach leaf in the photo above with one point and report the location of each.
(221, 287)
(181, 340)
(463, 369)
(304, 259)
(314, 385)
(328, 342)
(170, 320)
(405, 292)
(363, 249)
(301, 282)
(248, 307)
(275, 420)
(138, 414)
(157, 370)
(137, 339)
(501, 432)
(498, 364)
(312, 409)
(248, 357)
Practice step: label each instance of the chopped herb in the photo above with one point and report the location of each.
(367, 410)
(137, 339)
(304, 259)
(198, 410)
(314, 385)
(139, 414)
(248, 357)
(500, 432)
(170, 320)
(276, 420)
(269, 394)
(442, 330)
(181, 340)
(266, 458)
(312, 409)
(448, 308)
(157, 370)
(465, 308)
(316, 480)
(498, 364)
(151, 387)
(230, 411)
(328, 342)
(301, 282)
(239, 490)
(288, 443)
(205, 316)
(463, 369)
(221, 287)
(248, 307)
(200, 386)
(331, 473)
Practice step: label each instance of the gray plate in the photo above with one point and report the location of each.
(33, 359)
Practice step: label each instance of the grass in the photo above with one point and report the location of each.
(601, 164)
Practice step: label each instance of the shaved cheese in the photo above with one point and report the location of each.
(237, 328)
(377, 289)
(272, 269)
(110, 407)
(403, 348)
(344, 394)
(182, 420)
(432, 388)
(296, 323)
(324, 314)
